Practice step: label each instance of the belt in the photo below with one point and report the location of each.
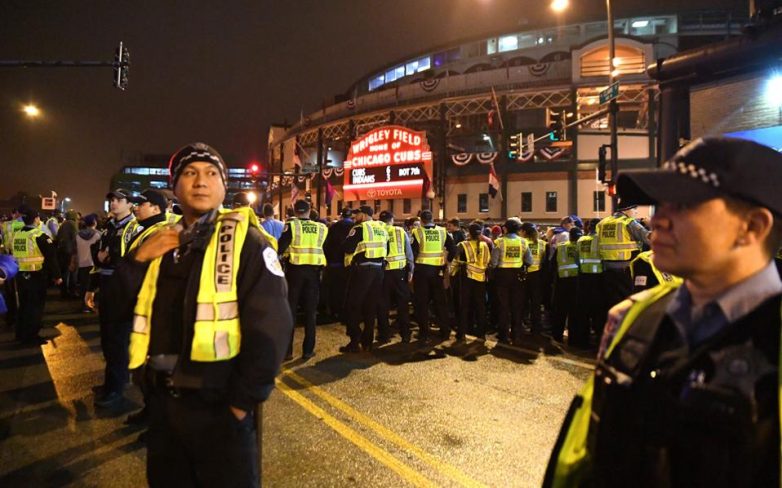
(370, 263)
(616, 264)
(161, 381)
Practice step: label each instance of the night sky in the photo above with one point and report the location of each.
(216, 71)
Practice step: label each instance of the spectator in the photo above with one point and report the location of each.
(270, 224)
(84, 240)
(66, 254)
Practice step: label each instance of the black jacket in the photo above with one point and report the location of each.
(332, 246)
(265, 317)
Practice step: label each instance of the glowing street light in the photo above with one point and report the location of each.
(31, 111)
(252, 197)
(559, 5)
(774, 91)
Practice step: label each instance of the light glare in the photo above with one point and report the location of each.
(31, 110)
(774, 91)
(559, 5)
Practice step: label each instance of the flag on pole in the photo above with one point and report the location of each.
(330, 192)
(497, 108)
(294, 192)
(494, 183)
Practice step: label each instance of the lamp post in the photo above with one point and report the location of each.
(31, 111)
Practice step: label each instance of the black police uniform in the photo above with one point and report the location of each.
(428, 285)
(115, 325)
(31, 288)
(335, 277)
(365, 284)
(304, 289)
(194, 439)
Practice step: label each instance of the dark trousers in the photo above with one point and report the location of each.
(428, 285)
(395, 289)
(564, 309)
(472, 301)
(303, 289)
(68, 285)
(617, 285)
(192, 442)
(590, 306)
(114, 339)
(532, 300)
(84, 280)
(31, 288)
(510, 295)
(364, 287)
(335, 284)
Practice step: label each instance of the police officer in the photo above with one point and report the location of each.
(432, 248)
(302, 242)
(397, 275)
(566, 292)
(211, 327)
(335, 277)
(618, 239)
(10, 226)
(509, 256)
(366, 248)
(686, 389)
(534, 282)
(590, 307)
(472, 260)
(645, 274)
(37, 258)
(114, 326)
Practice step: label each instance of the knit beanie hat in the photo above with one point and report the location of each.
(197, 152)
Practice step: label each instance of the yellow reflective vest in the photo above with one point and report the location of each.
(511, 252)
(26, 251)
(431, 245)
(216, 332)
(614, 240)
(307, 239)
(374, 243)
(9, 227)
(128, 232)
(588, 258)
(662, 278)
(146, 233)
(396, 258)
(567, 259)
(538, 251)
(477, 256)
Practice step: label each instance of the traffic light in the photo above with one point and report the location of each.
(556, 122)
(514, 146)
(255, 169)
(121, 67)
(602, 161)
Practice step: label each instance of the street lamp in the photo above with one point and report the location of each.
(559, 5)
(31, 111)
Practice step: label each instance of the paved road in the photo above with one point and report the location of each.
(445, 415)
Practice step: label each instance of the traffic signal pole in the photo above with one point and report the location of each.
(613, 106)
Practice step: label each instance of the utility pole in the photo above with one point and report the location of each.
(613, 106)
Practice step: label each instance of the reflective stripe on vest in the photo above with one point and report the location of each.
(511, 252)
(615, 242)
(646, 257)
(216, 331)
(431, 245)
(567, 260)
(477, 254)
(127, 235)
(307, 243)
(538, 251)
(374, 243)
(146, 233)
(590, 262)
(26, 250)
(9, 227)
(396, 258)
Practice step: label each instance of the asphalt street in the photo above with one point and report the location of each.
(443, 414)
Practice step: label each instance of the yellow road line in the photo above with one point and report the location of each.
(406, 472)
(446, 469)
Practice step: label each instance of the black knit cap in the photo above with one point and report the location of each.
(196, 152)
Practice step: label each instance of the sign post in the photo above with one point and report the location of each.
(610, 93)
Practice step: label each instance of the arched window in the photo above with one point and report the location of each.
(627, 60)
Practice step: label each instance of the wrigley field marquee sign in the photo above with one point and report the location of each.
(387, 162)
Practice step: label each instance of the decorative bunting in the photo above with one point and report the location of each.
(552, 153)
(461, 159)
(339, 171)
(538, 69)
(486, 157)
(430, 84)
(327, 172)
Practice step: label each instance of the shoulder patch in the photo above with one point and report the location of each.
(352, 232)
(272, 262)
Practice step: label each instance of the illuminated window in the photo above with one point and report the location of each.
(395, 73)
(491, 46)
(508, 43)
(376, 82)
(421, 64)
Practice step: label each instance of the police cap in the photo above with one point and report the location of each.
(301, 206)
(364, 209)
(385, 216)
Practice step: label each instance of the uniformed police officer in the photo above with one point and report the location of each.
(9, 287)
(534, 282)
(366, 248)
(114, 327)
(397, 275)
(37, 258)
(686, 389)
(432, 248)
(566, 292)
(211, 327)
(645, 274)
(590, 307)
(472, 260)
(508, 258)
(302, 242)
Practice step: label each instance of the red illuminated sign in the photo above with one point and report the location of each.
(387, 162)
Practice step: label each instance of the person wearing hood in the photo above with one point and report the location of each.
(66, 253)
(86, 237)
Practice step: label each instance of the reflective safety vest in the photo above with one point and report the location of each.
(662, 278)
(128, 232)
(9, 227)
(431, 245)
(511, 252)
(538, 251)
(172, 218)
(477, 256)
(567, 259)
(307, 242)
(216, 332)
(146, 233)
(590, 262)
(26, 250)
(396, 258)
(374, 243)
(614, 240)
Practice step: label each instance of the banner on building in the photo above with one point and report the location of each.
(386, 163)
